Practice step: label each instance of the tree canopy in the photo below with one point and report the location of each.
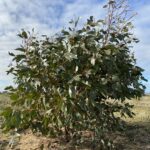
(74, 81)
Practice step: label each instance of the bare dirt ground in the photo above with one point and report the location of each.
(135, 137)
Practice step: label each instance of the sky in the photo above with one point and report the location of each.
(50, 16)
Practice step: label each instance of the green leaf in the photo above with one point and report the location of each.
(11, 54)
(65, 32)
(20, 57)
(70, 56)
(20, 49)
(77, 77)
(105, 6)
(24, 35)
(10, 70)
(108, 52)
(9, 88)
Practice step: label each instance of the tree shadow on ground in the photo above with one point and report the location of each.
(135, 137)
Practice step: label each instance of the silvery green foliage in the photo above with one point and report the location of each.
(74, 81)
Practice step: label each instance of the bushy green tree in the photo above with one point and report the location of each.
(75, 81)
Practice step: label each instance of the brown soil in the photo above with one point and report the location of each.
(136, 137)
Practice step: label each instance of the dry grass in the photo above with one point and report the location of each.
(142, 111)
(135, 137)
